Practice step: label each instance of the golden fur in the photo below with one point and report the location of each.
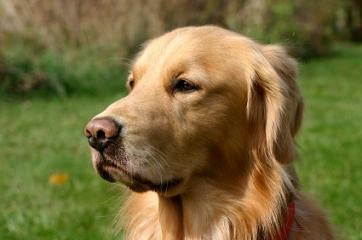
(231, 141)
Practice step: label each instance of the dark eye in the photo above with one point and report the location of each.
(183, 86)
(130, 83)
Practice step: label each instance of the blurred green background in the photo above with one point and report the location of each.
(61, 62)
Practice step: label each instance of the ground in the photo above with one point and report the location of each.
(40, 138)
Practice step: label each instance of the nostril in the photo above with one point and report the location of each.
(100, 134)
(92, 141)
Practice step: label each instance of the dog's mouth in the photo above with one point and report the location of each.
(112, 171)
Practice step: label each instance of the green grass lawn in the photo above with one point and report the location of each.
(41, 137)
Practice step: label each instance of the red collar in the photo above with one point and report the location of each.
(285, 230)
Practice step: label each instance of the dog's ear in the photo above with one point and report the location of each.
(274, 106)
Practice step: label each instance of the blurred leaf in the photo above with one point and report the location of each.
(58, 179)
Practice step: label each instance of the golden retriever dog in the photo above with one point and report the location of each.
(205, 141)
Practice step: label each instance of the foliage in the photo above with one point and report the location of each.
(62, 47)
(27, 71)
(124, 24)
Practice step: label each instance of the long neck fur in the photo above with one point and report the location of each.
(249, 210)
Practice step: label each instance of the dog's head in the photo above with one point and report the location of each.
(203, 102)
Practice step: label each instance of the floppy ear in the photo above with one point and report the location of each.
(274, 105)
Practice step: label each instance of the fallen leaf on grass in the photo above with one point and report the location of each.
(58, 179)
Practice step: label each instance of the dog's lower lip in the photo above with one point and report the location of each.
(141, 184)
(138, 184)
(105, 168)
(105, 175)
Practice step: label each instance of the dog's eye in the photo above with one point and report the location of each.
(184, 86)
(130, 84)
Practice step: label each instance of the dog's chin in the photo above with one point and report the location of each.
(168, 188)
(113, 172)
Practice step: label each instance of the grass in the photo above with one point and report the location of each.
(331, 138)
(41, 137)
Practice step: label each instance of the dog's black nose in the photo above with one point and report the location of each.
(99, 131)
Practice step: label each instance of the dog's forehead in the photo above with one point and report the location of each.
(176, 51)
(171, 49)
(207, 54)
